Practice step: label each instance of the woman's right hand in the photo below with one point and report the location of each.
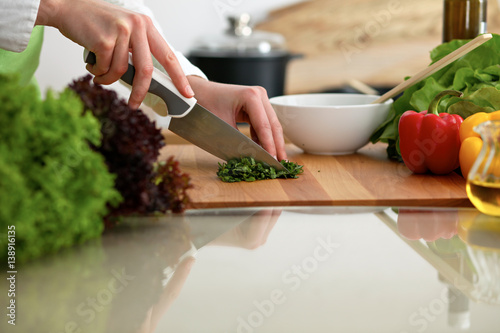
(111, 32)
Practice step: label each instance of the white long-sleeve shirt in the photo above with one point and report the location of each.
(17, 19)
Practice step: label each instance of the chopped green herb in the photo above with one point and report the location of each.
(249, 170)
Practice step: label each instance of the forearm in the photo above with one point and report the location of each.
(49, 11)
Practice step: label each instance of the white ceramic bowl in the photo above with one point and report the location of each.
(329, 124)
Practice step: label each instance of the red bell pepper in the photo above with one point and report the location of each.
(429, 141)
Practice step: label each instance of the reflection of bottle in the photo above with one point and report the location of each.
(481, 232)
(453, 252)
(463, 19)
(458, 309)
(483, 180)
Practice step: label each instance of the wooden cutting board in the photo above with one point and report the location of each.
(367, 178)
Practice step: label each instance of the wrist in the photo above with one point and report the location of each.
(197, 83)
(49, 13)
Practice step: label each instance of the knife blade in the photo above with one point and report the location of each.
(196, 124)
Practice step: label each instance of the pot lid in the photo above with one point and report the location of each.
(241, 39)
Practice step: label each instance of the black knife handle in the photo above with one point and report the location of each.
(161, 86)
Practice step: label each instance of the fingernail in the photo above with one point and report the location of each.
(275, 157)
(189, 90)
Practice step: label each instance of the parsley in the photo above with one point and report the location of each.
(247, 169)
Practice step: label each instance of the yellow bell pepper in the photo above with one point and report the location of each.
(469, 150)
(471, 142)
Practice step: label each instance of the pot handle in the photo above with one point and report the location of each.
(293, 56)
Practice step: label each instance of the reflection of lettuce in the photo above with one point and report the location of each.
(67, 281)
(106, 285)
(446, 247)
(453, 247)
(477, 75)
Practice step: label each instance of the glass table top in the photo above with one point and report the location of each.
(300, 269)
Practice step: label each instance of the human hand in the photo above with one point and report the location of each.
(251, 233)
(111, 32)
(236, 103)
(168, 296)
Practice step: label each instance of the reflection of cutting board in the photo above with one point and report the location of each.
(367, 178)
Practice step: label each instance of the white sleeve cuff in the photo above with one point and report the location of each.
(17, 19)
(188, 67)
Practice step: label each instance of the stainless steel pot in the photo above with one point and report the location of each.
(243, 56)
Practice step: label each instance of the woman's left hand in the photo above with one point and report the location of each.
(237, 103)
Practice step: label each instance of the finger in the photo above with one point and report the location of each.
(166, 57)
(141, 57)
(119, 62)
(103, 61)
(279, 140)
(171, 291)
(270, 217)
(260, 122)
(179, 277)
(254, 135)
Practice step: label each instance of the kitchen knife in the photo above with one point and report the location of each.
(196, 124)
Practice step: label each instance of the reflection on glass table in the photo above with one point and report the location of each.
(463, 245)
(283, 269)
(127, 280)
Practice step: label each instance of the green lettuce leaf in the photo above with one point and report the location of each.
(476, 75)
(485, 99)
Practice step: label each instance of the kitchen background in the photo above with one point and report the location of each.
(378, 42)
(181, 21)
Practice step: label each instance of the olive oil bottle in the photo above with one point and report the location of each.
(463, 19)
(485, 196)
(483, 180)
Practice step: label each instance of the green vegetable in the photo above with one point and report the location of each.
(54, 189)
(131, 145)
(477, 75)
(247, 169)
(72, 162)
